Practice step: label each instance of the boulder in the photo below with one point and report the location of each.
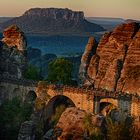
(72, 124)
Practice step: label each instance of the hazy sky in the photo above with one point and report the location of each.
(102, 8)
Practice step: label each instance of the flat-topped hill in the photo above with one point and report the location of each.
(53, 21)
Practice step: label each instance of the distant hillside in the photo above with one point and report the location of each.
(132, 20)
(53, 21)
(4, 19)
(107, 23)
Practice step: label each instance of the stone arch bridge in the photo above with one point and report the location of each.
(92, 100)
(11, 87)
(85, 99)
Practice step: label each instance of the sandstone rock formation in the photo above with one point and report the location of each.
(13, 52)
(27, 131)
(116, 64)
(14, 37)
(72, 125)
(90, 50)
(54, 21)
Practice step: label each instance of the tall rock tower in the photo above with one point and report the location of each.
(116, 64)
(13, 53)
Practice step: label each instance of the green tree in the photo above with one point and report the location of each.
(59, 71)
(12, 114)
(32, 73)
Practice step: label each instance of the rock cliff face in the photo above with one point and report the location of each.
(13, 52)
(27, 131)
(53, 20)
(72, 124)
(116, 64)
(55, 13)
(90, 50)
(14, 37)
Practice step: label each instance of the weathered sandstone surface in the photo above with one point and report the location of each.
(72, 124)
(14, 37)
(13, 52)
(27, 131)
(90, 50)
(116, 64)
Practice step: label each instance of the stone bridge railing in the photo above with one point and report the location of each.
(90, 99)
(100, 93)
(14, 80)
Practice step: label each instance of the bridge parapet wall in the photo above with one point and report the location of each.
(123, 101)
(81, 97)
(9, 90)
(6, 78)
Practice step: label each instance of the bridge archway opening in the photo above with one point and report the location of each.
(106, 108)
(54, 108)
(31, 96)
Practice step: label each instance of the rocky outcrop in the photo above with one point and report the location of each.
(72, 124)
(13, 52)
(54, 21)
(90, 50)
(14, 37)
(116, 64)
(27, 131)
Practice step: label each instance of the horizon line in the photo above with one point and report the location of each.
(86, 16)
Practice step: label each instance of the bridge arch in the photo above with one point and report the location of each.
(81, 99)
(107, 104)
(55, 107)
(56, 101)
(109, 100)
(31, 96)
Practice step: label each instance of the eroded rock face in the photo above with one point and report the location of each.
(72, 122)
(13, 53)
(116, 64)
(13, 36)
(90, 50)
(27, 131)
